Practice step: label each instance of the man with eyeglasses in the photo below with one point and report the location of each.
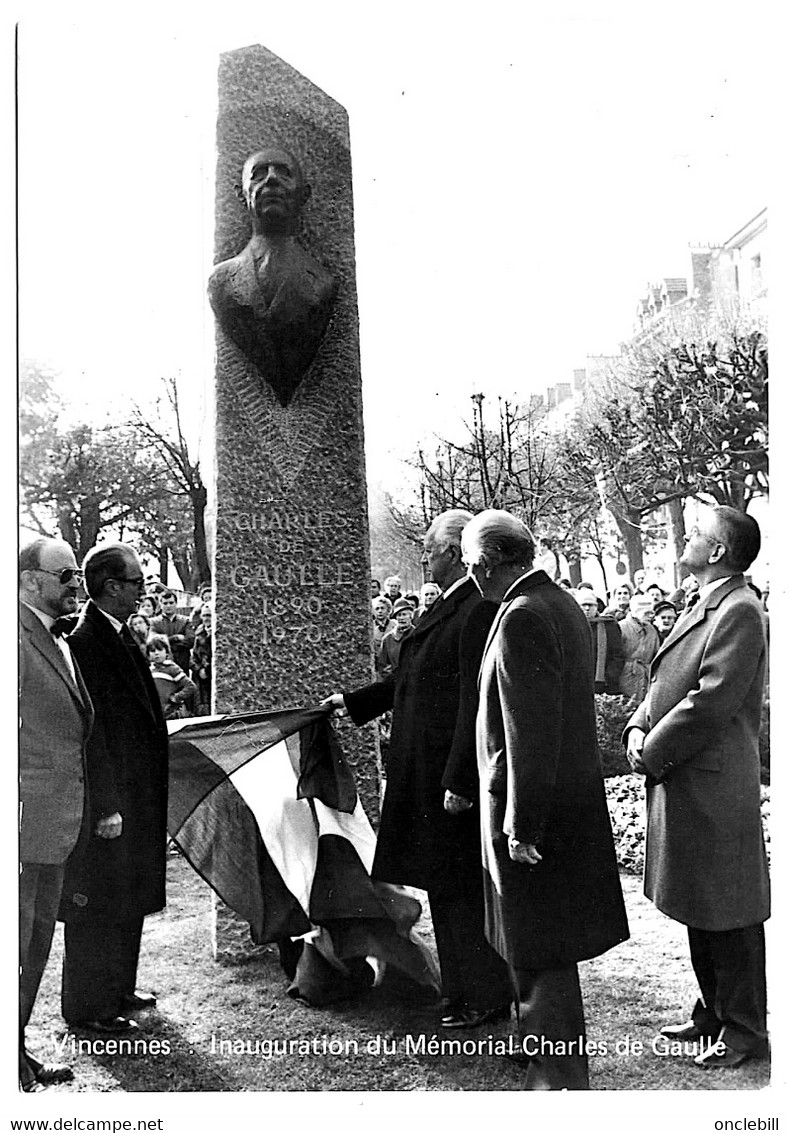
(56, 718)
(696, 738)
(116, 876)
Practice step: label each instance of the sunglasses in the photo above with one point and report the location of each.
(65, 575)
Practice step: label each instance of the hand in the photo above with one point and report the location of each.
(337, 702)
(635, 748)
(109, 828)
(456, 804)
(523, 852)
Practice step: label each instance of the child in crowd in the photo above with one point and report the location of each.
(176, 690)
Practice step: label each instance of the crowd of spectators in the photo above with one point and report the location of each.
(628, 627)
(178, 647)
(395, 613)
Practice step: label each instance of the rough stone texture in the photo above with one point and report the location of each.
(292, 550)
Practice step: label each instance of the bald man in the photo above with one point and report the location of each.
(56, 717)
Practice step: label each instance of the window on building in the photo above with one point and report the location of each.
(756, 274)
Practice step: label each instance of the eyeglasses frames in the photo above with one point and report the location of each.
(65, 575)
(139, 581)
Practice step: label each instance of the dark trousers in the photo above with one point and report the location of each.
(39, 896)
(730, 969)
(472, 973)
(99, 967)
(551, 1012)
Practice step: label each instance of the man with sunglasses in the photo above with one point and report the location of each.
(56, 718)
(116, 876)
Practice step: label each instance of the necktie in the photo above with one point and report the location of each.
(692, 601)
(61, 626)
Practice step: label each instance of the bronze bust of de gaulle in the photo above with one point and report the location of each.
(274, 299)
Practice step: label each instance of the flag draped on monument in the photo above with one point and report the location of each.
(265, 809)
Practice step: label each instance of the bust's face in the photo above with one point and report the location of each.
(274, 188)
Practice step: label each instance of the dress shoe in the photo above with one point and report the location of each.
(721, 1057)
(462, 1017)
(50, 1073)
(31, 1086)
(687, 1033)
(139, 1001)
(116, 1025)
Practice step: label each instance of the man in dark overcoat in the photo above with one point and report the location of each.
(419, 842)
(696, 738)
(56, 717)
(116, 875)
(552, 892)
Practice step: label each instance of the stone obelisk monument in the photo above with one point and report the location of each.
(292, 567)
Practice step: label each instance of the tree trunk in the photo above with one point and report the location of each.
(67, 529)
(199, 498)
(573, 556)
(676, 515)
(89, 524)
(629, 523)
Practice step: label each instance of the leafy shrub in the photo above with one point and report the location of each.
(626, 795)
(764, 741)
(613, 712)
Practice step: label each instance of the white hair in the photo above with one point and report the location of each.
(447, 528)
(501, 537)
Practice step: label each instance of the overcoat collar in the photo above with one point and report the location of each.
(536, 578)
(443, 608)
(687, 622)
(42, 641)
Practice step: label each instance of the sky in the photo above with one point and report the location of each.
(521, 173)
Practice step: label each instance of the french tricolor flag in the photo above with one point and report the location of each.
(265, 809)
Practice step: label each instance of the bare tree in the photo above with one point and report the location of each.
(162, 434)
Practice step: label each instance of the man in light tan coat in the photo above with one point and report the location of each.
(696, 738)
(56, 717)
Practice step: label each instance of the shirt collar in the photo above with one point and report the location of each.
(455, 585)
(708, 587)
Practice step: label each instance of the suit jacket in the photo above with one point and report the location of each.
(56, 718)
(540, 782)
(418, 842)
(705, 859)
(121, 878)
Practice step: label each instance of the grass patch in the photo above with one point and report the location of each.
(629, 993)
